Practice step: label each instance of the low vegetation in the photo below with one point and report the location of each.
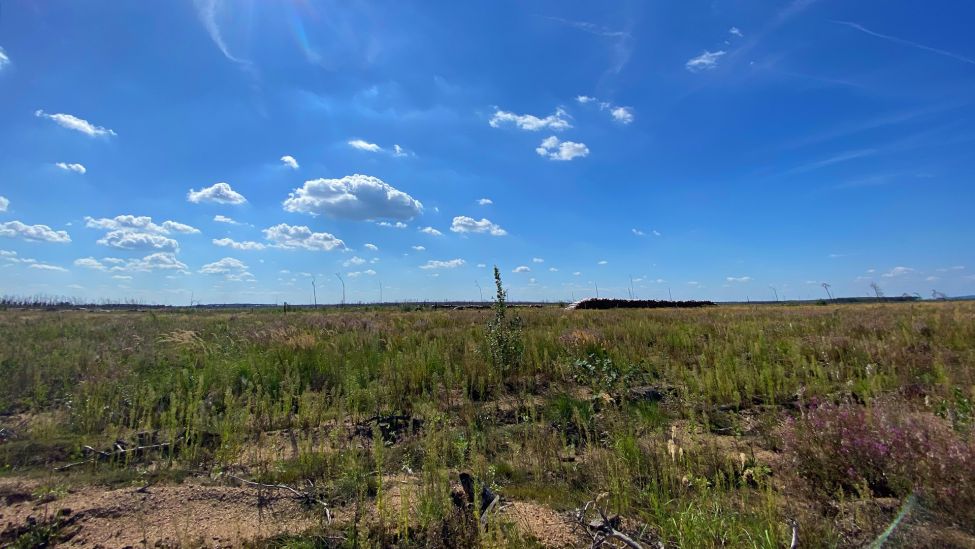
(703, 427)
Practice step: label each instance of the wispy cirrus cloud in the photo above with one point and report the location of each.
(708, 60)
(438, 264)
(905, 42)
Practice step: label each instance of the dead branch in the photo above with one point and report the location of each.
(602, 528)
(100, 455)
(304, 497)
(795, 533)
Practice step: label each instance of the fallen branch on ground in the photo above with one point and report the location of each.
(304, 497)
(603, 528)
(100, 455)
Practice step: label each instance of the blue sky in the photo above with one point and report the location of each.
(233, 151)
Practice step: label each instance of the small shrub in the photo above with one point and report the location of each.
(504, 333)
(886, 449)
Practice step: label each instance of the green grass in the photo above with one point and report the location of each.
(557, 424)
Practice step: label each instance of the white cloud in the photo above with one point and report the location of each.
(359, 197)
(623, 115)
(4, 204)
(72, 122)
(397, 225)
(77, 168)
(33, 233)
(47, 267)
(481, 265)
(734, 31)
(207, 12)
(224, 219)
(90, 263)
(706, 61)
(356, 274)
(553, 149)
(553, 270)
(521, 269)
(638, 232)
(400, 151)
(577, 273)
(557, 121)
(246, 245)
(287, 236)
(178, 227)
(897, 271)
(537, 260)
(464, 224)
(232, 269)
(132, 240)
(656, 232)
(4, 59)
(738, 278)
(585, 99)
(449, 264)
(289, 161)
(372, 247)
(364, 145)
(122, 277)
(932, 278)
(354, 261)
(220, 193)
(431, 231)
(953, 268)
(485, 202)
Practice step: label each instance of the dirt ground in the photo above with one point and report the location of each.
(185, 515)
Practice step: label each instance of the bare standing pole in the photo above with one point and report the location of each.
(343, 287)
(314, 292)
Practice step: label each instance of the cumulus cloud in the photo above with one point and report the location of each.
(553, 270)
(358, 197)
(33, 233)
(583, 99)
(363, 145)
(131, 232)
(397, 225)
(556, 121)
(289, 161)
(178, 227)
(449, 264)
(419, 248)
(69, 167)
(48, 267)
(898, 271)
(220, 193)
(372, 247)
(521, 269)
(72, 122)
(738, 279)
(356, 260)
(356, 274)
(131, 240)
(602, 262)
(298, 236)
(623, 115)
(244, 246)
(4, 204)
(232, 269)
(485, 202)
(656, 232)
(431, 231)
(464, 224)
(537, 260)
(224, 219)
(706, 61)
(638, 232)
(553, 149)
(151, 262)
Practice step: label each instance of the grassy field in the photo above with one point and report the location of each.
(721, 426)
